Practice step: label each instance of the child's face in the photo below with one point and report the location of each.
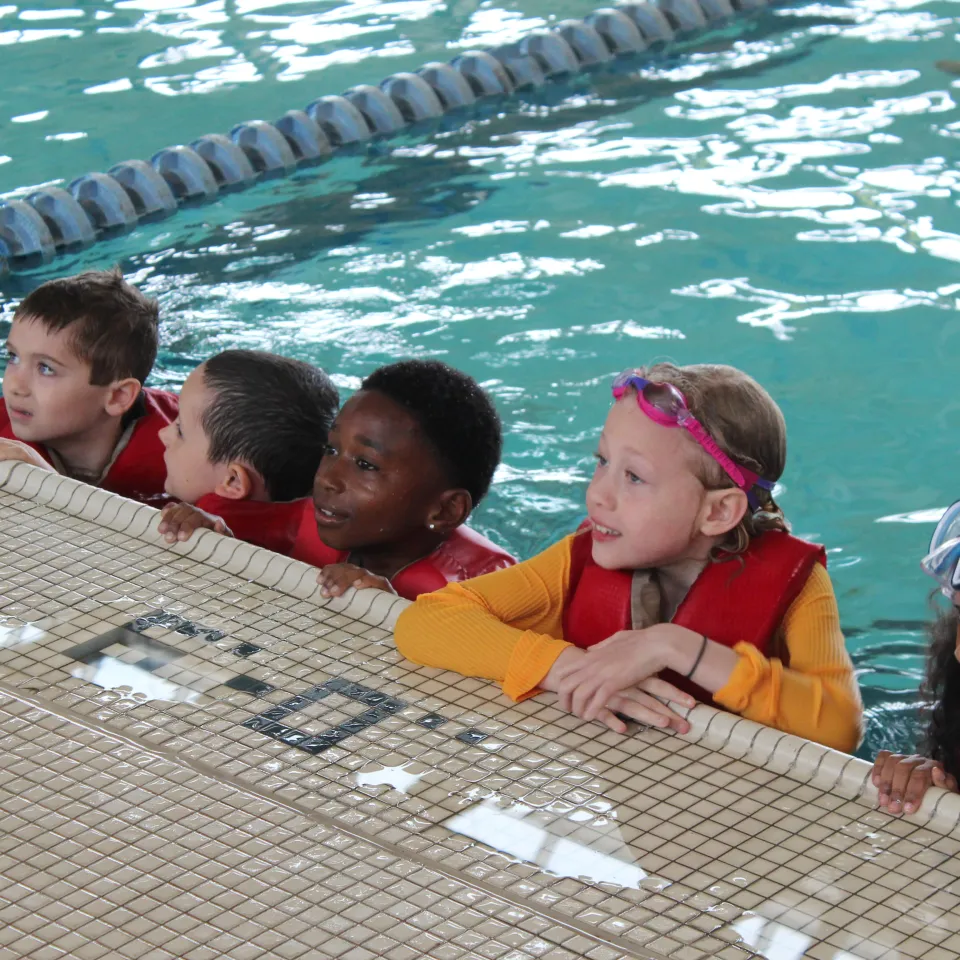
(645, 500)
(378, 478)
(190, 474)
(47, 387)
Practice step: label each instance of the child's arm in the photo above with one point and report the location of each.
(335, 578)
(506, 626)
(15, 450)
(179, 520)
(502, 626)
(816, 696)
(903, 780)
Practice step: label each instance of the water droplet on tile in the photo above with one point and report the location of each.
(401, 778)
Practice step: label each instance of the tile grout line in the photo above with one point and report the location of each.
(213, 773)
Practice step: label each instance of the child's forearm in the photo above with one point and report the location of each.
(812, 692)
(823, 708)
(453, 630)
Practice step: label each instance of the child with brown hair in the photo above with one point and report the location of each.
(686, 584)
(78, 353)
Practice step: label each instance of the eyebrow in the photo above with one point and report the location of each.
(647, 462)
(43, 357)
(634, 451)
(367, 442)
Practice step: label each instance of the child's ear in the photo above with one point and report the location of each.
(121, 396)
(238, 483)
(450, 510)
(722, 511)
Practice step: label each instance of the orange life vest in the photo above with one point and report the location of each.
(290, 529)
(138, 472)
(740, 600)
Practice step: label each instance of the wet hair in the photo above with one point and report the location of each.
(749, 428)
(940, 692)
(456, 416)
(271, 412)
(112, 325)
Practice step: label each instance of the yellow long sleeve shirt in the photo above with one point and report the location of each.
(508, 627)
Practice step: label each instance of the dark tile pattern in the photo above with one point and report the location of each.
(269, 722)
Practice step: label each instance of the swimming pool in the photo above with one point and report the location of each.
(783, 198)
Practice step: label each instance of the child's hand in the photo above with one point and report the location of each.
(335, 578)
(639, 702)
(903, 780)
(179, 520)
(619, 663)
(15, 450)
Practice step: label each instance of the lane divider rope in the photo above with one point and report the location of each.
(53, 220)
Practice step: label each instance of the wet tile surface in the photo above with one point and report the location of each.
(272, 767)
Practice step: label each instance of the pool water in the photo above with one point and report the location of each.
(782, 197)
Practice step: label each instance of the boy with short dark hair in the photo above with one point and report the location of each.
(408, 458)
(78, 353)
(249, 437)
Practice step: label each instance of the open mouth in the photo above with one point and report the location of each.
(17, 414)
(328, 517)
(600, 532)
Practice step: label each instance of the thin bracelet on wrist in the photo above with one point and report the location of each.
(696, 663)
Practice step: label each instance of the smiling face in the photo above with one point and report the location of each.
(190, 474)
(379, 481)
(648, 505)
(47, 387)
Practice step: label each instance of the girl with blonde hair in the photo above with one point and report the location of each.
(684, 585)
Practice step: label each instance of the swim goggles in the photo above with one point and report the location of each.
(664, 404)
(941, 562)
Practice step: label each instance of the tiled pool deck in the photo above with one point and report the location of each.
(202, 759)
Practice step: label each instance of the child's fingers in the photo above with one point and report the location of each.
(667, 691)
(335, 578)
(878, 766)
(917, 786)
(611, 720)
(885, 768)
(898, 783)
(630, 702)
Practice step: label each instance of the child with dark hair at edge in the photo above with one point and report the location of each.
(902, 780)
(407, 459)
(250, 433)
(685, 585)
(78, 353)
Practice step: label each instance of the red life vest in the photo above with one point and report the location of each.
(138, 472)
(273, 526)
(465, 554)
(741, 600)
(290, 529)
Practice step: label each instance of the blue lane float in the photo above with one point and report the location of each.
(96, 206)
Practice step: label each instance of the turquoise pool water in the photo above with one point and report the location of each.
(784, 197)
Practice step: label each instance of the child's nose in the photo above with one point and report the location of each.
(599, 493)
(15, 382)
(328, 475)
